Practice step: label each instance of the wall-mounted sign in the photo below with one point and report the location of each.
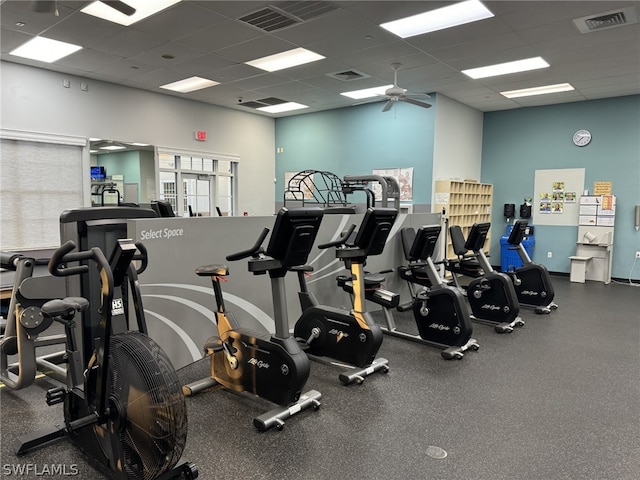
(201, 135)
(602, 188)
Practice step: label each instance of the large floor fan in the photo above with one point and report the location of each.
(398, 94)
(145, 399)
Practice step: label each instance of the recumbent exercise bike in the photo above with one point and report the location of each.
(531, 281)
(491, 294)
(439, 310)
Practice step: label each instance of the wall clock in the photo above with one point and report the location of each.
(582, 138)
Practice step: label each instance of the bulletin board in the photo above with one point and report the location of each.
(556, 196)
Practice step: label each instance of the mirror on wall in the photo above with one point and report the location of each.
(121, 172)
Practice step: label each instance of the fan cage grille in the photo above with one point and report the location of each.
(147, 387)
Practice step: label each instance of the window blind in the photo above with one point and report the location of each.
(38, 181)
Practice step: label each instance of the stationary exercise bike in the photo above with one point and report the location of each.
(348, 336)
(25, 324)
(491, 295)
(531, 281)
(123, 406)
(439, 310)
(270, 366)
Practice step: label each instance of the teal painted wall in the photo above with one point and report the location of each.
(122, 163)
(516, 143)
(355, 140)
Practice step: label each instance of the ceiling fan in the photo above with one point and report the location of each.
(398, 94)
(48, 6)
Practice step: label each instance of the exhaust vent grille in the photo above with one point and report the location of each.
(284, 14)
(606, 20)
(348, 75)
(268, 19)
(263, 102)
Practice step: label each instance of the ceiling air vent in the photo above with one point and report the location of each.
(284, 14)
(268, 19)
(348, 75)
(606, 20)
(263, 102)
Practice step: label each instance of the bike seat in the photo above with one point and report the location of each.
(210, 270)
(65, 307)
(373, 279)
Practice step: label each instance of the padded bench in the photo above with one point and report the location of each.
(578, 268)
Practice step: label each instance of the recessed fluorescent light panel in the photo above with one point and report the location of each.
(439, 19)
(190, 84)
(113, 147)
(282, 107)
(526, 92)
(506, 68)
(144, 9)
(288, 59)
(366, 92)
(45, 49)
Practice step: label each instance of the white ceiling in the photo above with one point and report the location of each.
(206, 39)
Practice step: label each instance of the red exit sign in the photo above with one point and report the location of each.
(201, 135)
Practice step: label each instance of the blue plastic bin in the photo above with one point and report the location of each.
(509, 258)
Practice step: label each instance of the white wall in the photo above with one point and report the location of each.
(457, 145)
(34, 100)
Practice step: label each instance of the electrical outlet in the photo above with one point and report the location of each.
(637, 254)
(549, 254)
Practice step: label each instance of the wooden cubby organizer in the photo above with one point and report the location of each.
(465, 202)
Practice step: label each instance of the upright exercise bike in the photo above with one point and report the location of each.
(123, 406)
(491, 295)
(439, 310)
(270, 366)
(348, 336)
(532, 281)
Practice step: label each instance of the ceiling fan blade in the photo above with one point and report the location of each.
(415, 102)
(120, 6)
(387, 106)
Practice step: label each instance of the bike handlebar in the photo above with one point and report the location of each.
(142, 257)
(256, 249)
(341, 240)
(63, 255)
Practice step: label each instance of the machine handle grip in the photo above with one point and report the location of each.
(142, 257)
(341, 240)
(9, 260)
(63, 255)
(256, 249)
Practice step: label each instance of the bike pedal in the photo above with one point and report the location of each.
(56, 395)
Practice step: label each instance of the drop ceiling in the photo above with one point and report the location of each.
(208, 39)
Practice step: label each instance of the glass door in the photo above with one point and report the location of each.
(197, 195)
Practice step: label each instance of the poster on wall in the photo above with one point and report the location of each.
(404, 176)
